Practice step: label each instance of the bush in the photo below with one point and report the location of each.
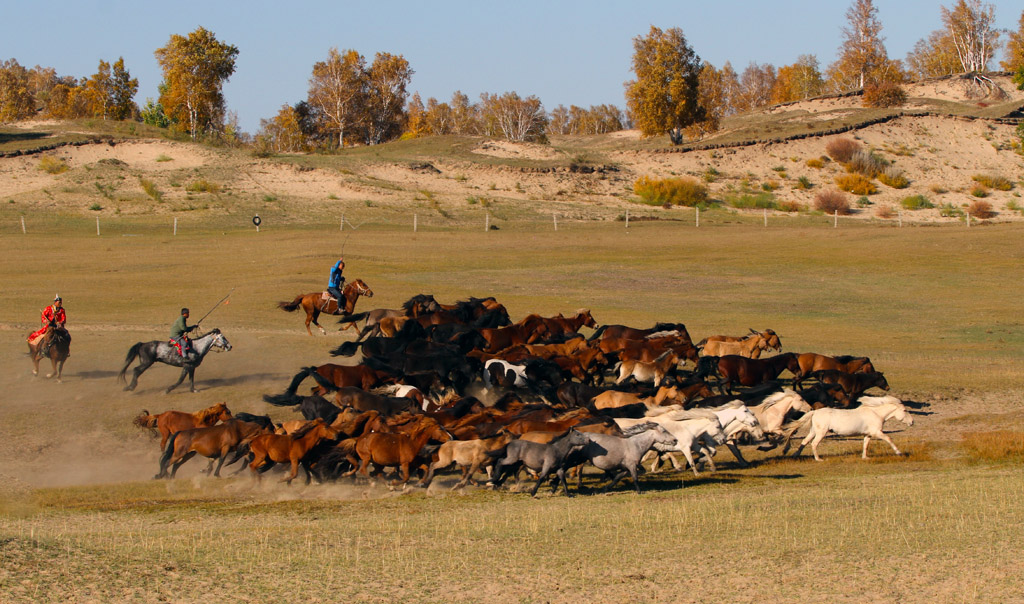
(803, 183)
(770, 186)
(150, 188)
(203, 186)
(815, 163)
(789, 206)
(948, 210)
(750, 201)
(981, 209)
(856, 184)
(866, 163)
(1012, 205)
(95, 207)
(711, 174)
(884, 212)
(863, 202)
(979, 191)
(675, 191)
(52, 165)
(841, 149)
(993, 181)
(832, 201)
(886, 94)
(894, 178)
(916, 202)
(938, 189)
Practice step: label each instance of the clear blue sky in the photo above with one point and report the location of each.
(564, 52)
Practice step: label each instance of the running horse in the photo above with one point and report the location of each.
(164, 352)
(59, 351)
(320, 302)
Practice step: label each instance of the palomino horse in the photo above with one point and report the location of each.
(470, 455)
(866, 420)
(168, 422)
(750, 345)
(314, 303)
(60, 349)
(654, 371)
(162, 351)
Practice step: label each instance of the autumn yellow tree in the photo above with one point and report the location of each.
(195, 69)
(386, 82)
(1013, 57)
(664, 96)
(513, 117)
(756, 83)
(971, 27)
(713, 98)
(336, 90)
(933, 56)
(16, 102)
(282, 133)
(801, 80)
(862, 57)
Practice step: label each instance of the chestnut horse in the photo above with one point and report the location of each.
(810, 362)
(747, 372)
(213, 442)
(269, 449)
(60, 349)
(750, 345)
(169, 422)
(401, 450)
(314, 303)
(329, 377)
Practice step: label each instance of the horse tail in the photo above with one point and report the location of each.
(495, 454)
(291, 306)
(700, 345)
(322, 381)
(346, 349)
(168, 452)
(132, 353)
(289, 397)
(145, 420)
(359, 316)
(791, 428)
(597, 334)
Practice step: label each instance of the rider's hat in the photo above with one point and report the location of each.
(184, 310)
(57, 298)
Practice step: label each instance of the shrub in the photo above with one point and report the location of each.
(885, 94)
(841, 149)
(979, 191)
(884, 212)
(1012, 205)
(803, 183)
(676, 191)
(863, 202)
(95, 207)
(832, 201)
(981, 209)
(52, 165)
(789, 206)
(856, 184)
(866, 163)
(894, 178)
(770, 186)
(993, 181)
(203, 186)
(916, 202)
(994, 446)
(938, 189)
(150, 188)
(163, 158)
(711, 174)
(948, 210)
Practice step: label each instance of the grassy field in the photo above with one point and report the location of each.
(936, 308)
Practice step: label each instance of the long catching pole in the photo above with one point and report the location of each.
(216, 305)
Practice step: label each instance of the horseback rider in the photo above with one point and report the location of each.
(55, 313)
(179, 333)
(336, 281)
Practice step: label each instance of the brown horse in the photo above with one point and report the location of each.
(750, 345)
(648, 349)
(810, 362)
(214, 442)
(59, 341)
(315, 303)
(649, 371)
(174, 421)
(853, 384)
(747, 372)
(269, 449)
(329, 377)
(392, 449)
(560, 325)
(500, 338)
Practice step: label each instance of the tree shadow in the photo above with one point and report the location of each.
(10, 137)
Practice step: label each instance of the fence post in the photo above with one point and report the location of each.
(342, 223)
(554, 217)
(766, 217)
(415, 222)
(899, 214)
(487, 221)
(835, 219)
(97, 226)
(968, 220)
(627, 218)
(175, 226)
(23, 231)
(698, 216)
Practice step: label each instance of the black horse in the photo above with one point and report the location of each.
(162, 351)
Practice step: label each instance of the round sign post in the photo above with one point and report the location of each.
(256, 220)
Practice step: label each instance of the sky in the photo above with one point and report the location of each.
(564, 52)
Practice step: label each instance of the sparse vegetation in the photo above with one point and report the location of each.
(916, 202)
(979, 190)
(202, 186)
(771, 185)
(866, 163)
(676, 191)
(832, 201)
(711, 174)
(95, 207)
(1012, 205)
(841, 149)
(150, 188)
(164, 158)
(789, 206)
(999, 445)
(894, 178)
(856, 184)
(863, 202)
(52, 165)
(884, 94)
(815, 163)
(884, 211)
(938, 189)
(749, 201)
(803, 183)
(948, 210)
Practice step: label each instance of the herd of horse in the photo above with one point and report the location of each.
(442, 385)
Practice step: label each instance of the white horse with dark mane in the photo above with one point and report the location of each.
(163, 352)
(866, 420)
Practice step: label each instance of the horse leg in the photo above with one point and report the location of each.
(615, 480)
(814, 444)
(314, 317)
(180, 462)
(561, 477)
(139, 370)
(736, 453)
(542, 476)
(181, 378)
(880, 435)
(53, 362)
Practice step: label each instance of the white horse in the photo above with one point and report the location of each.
(771, 413)
(698, 430)
(736, 418)
(866, 419)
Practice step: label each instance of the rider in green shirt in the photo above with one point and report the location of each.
(179, 333)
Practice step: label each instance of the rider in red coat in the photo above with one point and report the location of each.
(54, 312)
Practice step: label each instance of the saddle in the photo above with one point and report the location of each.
(182, 345)
(325, 299)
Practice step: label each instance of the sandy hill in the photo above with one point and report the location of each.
(950, 131)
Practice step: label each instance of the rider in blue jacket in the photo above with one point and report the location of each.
(337, 280)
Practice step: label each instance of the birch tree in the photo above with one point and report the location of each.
(337, 90)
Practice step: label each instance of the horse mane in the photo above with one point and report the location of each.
(678, 327)
(878, 401)
(214, 330)
(408, 305)
(205, 414)
(692, 414)
(637, 429)
(733, 404)
(305, 429)
(771, 399)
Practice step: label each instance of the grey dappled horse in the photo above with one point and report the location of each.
(164, 352)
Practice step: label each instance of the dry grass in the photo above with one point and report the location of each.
(856, 184)
(997, 445)
(842, 149)
(981, 209)
(52, 165)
